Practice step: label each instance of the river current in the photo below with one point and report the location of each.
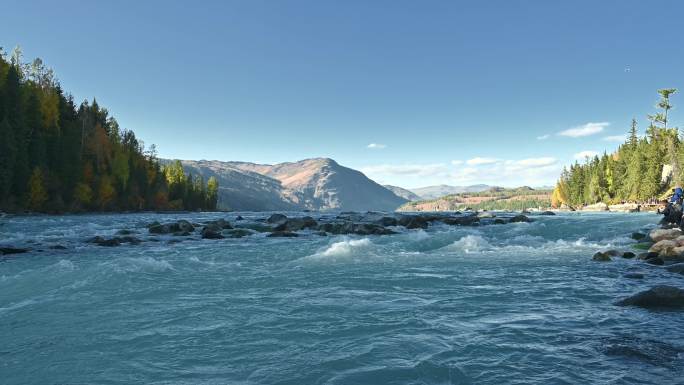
(519, 303)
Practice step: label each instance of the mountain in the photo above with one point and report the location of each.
(433, 192)
(402, 192)
(242, 190)
(313, 184)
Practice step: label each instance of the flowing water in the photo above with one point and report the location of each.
(504, 304)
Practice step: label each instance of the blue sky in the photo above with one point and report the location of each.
(412, 93)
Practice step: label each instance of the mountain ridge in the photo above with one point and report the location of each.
(308, 184)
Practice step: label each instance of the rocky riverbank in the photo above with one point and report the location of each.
(661, 248)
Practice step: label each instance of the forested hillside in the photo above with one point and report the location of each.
(494, 198)
(58, 156)
(643, 168)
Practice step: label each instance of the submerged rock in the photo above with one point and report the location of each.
(387, 221)
(354, 228)
(676, 268)
(655, 261)
(282, 234)
(237, 233)
(468, 220)
(413, 222)
(276, 219)
(634, 275)
(115, 241)
(647, 255)
(601, 257)
(656, 297)
(12, 250)
(221, 223)
(296, 224)
(212, 231)
(258, 227)
(180, 226)
(628, 255)
(638, 236)
(519, 218)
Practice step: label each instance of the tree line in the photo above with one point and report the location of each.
(643, 168)
(57, 156)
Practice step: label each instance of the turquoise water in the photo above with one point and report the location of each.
(509, 304)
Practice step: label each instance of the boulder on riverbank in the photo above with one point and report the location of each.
(657, 297)
(658, 235)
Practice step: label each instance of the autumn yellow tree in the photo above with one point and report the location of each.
(37, 196)
(105, 192)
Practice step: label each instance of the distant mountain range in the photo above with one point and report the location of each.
(434, 192)
(313, 184)
(402, 192)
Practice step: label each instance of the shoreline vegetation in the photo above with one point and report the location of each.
(58, 157)
(643, 169)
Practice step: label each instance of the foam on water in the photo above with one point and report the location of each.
(345, 250)
(486, 305)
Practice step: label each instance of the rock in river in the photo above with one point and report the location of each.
(212, 231)
(676, 268)
(12, 250)
(656, 297)
(601, 257)
(276, 219)
(520, 218)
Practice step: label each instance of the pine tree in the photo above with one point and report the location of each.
(633, 138)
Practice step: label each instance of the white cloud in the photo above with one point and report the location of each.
(538, 171)
(615, 138)
(536, 162)
(510, 172)
(376, 146)
(584, 130)
(543, 137)
(406, 170)
(586, 154)
(480, 161)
